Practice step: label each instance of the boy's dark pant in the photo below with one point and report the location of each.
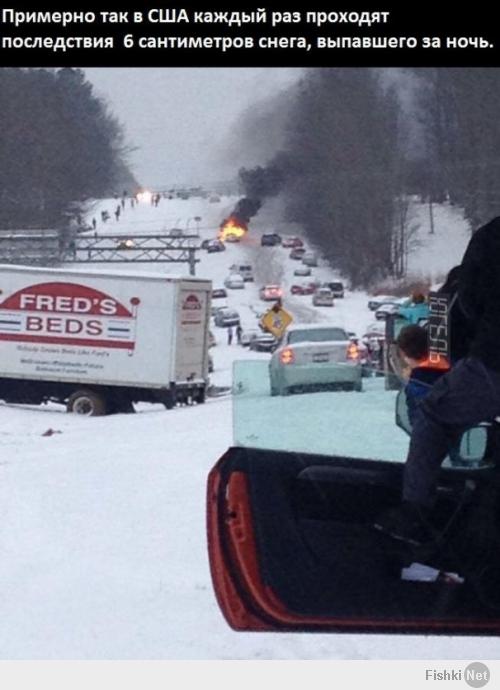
(465, 396)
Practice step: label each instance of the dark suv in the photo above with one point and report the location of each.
(270, 239)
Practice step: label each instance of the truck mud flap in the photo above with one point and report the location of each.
(292, 548)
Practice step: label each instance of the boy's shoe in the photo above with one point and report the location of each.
(406, 522)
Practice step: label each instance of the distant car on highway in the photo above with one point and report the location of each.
(216, 246)
(315, 358)
(245, 271)
(323, 297)
(263, 342)
(302, 289)
(219, 293)
(234, 281)
(302, 271)
(248, 334)
(291, 242)
(336, 287)
(375, 302)
(270, 293)
(310, 259)
(226, 317)
(126, 244)
(270, 239)
(297, 253)
(385, 310)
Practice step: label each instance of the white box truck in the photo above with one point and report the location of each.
(98, 341)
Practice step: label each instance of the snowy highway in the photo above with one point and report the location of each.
(103, 519)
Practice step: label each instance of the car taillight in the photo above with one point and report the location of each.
(352, 351)
(287, 356)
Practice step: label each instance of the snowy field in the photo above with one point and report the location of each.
(103, 520)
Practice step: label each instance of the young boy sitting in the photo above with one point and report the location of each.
(412, 342)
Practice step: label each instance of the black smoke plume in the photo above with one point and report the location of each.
(259, 184)
(339, 170)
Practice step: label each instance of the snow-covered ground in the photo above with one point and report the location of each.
(102, 530)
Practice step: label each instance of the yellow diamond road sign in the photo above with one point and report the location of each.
(276, 322)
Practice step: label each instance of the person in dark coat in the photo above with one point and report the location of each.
(229, 335)
(460, 328)
(462, 398)
(413, 344)
(239, 331)
(416, 309)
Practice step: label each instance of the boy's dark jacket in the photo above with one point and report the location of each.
(421, 380)
(479, 293)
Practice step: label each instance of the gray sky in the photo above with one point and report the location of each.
(182, 119)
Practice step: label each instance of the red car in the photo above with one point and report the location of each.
(303, 289)
(291, 242)
(269, 293)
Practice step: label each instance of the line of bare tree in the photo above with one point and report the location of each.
(458, 110)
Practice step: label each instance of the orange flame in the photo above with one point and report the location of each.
(231, 227)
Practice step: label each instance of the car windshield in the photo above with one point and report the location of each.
(316, 335)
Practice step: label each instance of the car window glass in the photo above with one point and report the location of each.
(342, 423)
(319, 335)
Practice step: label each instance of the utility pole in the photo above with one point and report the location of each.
(192, 262)
(431, 216)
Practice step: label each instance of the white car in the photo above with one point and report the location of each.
(310, 259)
(226, 317)
(302, 271)
(385, 310)
(323, 297)
(375, 302)
(248, 334)
(234, 281)
(314, 357)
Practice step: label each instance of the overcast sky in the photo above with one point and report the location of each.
(181, 119)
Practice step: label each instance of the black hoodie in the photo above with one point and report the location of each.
(479, 292)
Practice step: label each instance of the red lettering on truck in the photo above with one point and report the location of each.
(68, 313)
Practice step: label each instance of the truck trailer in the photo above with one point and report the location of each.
(99, 341)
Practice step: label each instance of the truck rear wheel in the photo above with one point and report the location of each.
(87, 403)
(169, 400)
(200, 396)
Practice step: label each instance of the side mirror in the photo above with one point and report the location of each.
(472, 448)
(402, 419)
